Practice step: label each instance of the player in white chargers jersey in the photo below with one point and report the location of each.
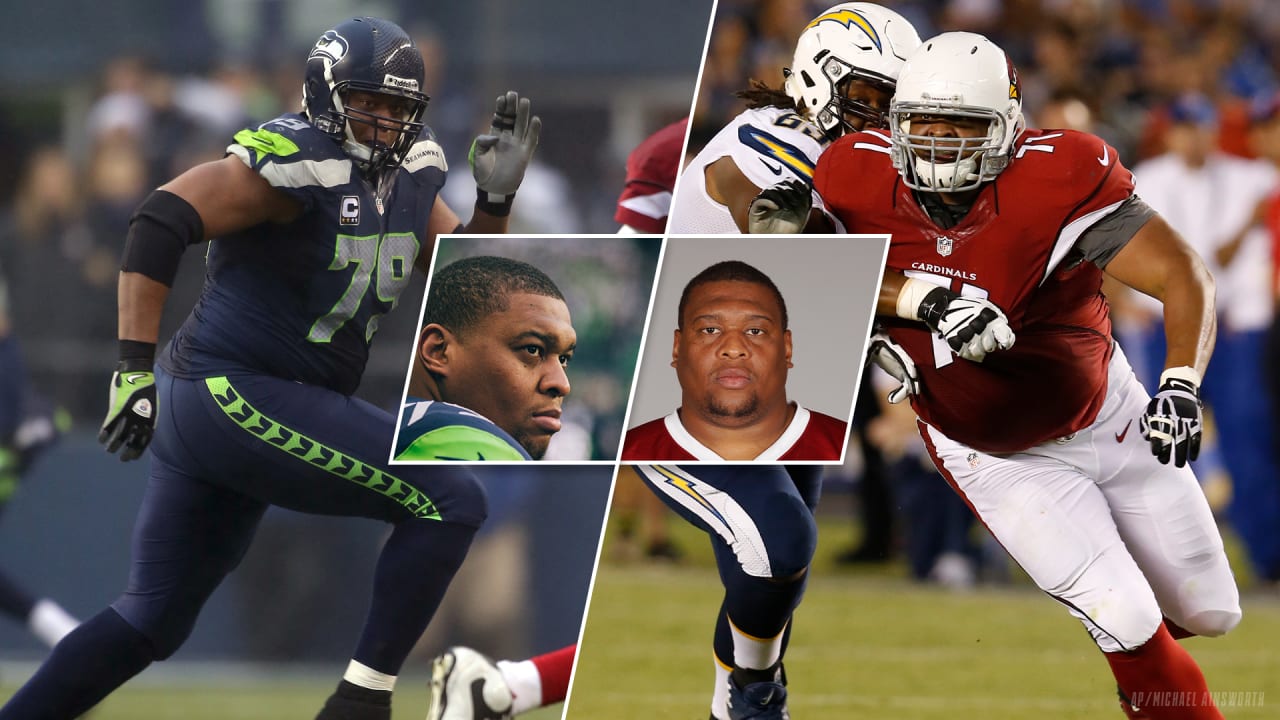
(760, 517)
(841, 79)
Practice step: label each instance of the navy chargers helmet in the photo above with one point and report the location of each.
(370, 55)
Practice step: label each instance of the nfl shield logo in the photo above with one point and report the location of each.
(944, 246)
(973, 460)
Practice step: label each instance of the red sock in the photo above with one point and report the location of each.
(554, 669)
(1161, 678)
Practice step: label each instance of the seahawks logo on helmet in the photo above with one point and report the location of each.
(331, 45)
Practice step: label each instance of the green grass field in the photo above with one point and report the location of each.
(875, 645)
(866, 644)
(288, 698)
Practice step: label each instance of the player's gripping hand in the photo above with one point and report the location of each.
(1172, 422)
(893, 359)
(131, 411)
(498, 159)
(972, 327)
(781, 209)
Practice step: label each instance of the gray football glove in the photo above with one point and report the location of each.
(893, 359)
(781, 209)
(498, 159)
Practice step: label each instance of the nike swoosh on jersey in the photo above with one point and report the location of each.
(1106, 156)
(775, 169)
(1120, 436)
(479, 456)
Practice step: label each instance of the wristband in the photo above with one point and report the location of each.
(495, 205)
(1184, 373)
(912, 296)
(135, 351)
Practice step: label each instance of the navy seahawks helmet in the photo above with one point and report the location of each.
(370, 55)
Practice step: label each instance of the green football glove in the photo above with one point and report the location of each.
(131, 410)
(498, 159)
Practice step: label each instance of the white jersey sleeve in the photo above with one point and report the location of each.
(768, 145)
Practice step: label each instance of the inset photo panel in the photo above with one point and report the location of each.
(754, 349)
(526, 348)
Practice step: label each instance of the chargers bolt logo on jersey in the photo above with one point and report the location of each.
(851, 19)
(349, 212)
(331, 45)
(769, 146)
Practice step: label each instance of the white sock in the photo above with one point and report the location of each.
(524, 682)
(366, 677)
(720, 696)
(49, 622)
(755, 653)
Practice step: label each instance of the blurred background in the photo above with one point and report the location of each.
(606, 282)
(101, 102)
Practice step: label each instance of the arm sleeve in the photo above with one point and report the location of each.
(1106, 237)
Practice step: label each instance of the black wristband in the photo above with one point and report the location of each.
(934, 305)
(135, 351)
(502, 208)
(159, 232)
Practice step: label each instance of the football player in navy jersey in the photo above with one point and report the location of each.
(488, 375)
(315, 220)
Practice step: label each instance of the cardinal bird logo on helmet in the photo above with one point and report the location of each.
(1015, 87)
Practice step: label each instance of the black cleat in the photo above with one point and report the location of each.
(352, 702)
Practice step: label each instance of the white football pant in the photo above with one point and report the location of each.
(1101, 525)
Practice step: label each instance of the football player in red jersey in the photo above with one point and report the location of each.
(651, 176)
(1055, 445)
